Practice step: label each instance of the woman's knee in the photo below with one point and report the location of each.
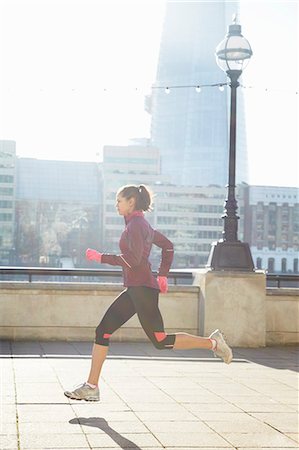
(102, 336)
(163, 341)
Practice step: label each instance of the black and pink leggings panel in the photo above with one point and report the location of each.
(142, 301)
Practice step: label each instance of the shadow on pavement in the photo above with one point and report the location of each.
(277, 357)
(102, 424)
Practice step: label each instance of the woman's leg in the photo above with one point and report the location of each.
(145, 301)
(99, 353)
(121, 310)
(185, 341)
(146, 305)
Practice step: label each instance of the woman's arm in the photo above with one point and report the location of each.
(167, 252)
(132, 256)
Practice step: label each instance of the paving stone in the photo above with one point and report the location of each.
(199, 448)
(285, 422)
(7, 418)
(35, 428)
(165, 416)
(7, 428)
(45, 415)
(269, 407)
(241, 426)
(123, 440)
(52, 441)
(180, 439)
(294, 436)
(235, 417)
(262, 448)
(157, 407)
(269, 439)
(185, 427)
(213, 407)
(8, 441)
(96, 425)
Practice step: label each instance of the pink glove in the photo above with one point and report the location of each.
(93, 255)
(163, 284)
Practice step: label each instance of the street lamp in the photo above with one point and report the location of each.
(232, 55)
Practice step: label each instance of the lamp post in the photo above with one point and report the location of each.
(232, 55)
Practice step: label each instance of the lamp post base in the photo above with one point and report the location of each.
(230, 256)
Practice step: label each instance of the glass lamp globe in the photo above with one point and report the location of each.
(234, 52)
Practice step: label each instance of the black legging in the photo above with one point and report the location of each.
(143, 301)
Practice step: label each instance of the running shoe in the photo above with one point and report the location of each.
(84, 392)
(222, 349)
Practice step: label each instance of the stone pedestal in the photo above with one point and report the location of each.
(234, 302)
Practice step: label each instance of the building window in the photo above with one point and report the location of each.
(284, 265)
(6, 191)
(5, 217)
(271, 265)
(6, 179)
(258, 263)
(295, 266)
(6, 204)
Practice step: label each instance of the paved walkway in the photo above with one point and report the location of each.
(150, 399)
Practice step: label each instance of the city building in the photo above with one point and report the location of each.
(190, 128)
(272, 227)
(192, 218)
(7, 200)
(133, 164)
(51, 211)
(57, 211)
(189, 215)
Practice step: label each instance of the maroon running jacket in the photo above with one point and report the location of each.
(135, 245)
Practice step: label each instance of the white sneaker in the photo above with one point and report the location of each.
(84, 392)
(222, 349)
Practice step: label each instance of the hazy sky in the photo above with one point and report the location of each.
(70, 69)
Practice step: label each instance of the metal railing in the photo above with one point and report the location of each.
(32, 274)
(283, 280)
(51, 274)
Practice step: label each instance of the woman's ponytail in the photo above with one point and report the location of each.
(142, 194)
(145, 197)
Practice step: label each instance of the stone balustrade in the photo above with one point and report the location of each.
(238, 303)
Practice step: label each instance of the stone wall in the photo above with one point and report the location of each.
(52, 311)
(70, 311)
(282, 316)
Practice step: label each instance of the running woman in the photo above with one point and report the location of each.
(141, 292)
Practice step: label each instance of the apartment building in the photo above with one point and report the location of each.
(7, 200)
(272, 227)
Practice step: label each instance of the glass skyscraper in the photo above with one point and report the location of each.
(191, 129)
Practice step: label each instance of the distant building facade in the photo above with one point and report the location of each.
(51, 211)
(189, 216)
(7, 200)
(191, 128)
(272, 227)
(133, 164)
(57, 211)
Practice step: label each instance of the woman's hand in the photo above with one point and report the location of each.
(163, 284)
(93, 255)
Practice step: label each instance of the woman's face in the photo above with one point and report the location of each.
(125, 206)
